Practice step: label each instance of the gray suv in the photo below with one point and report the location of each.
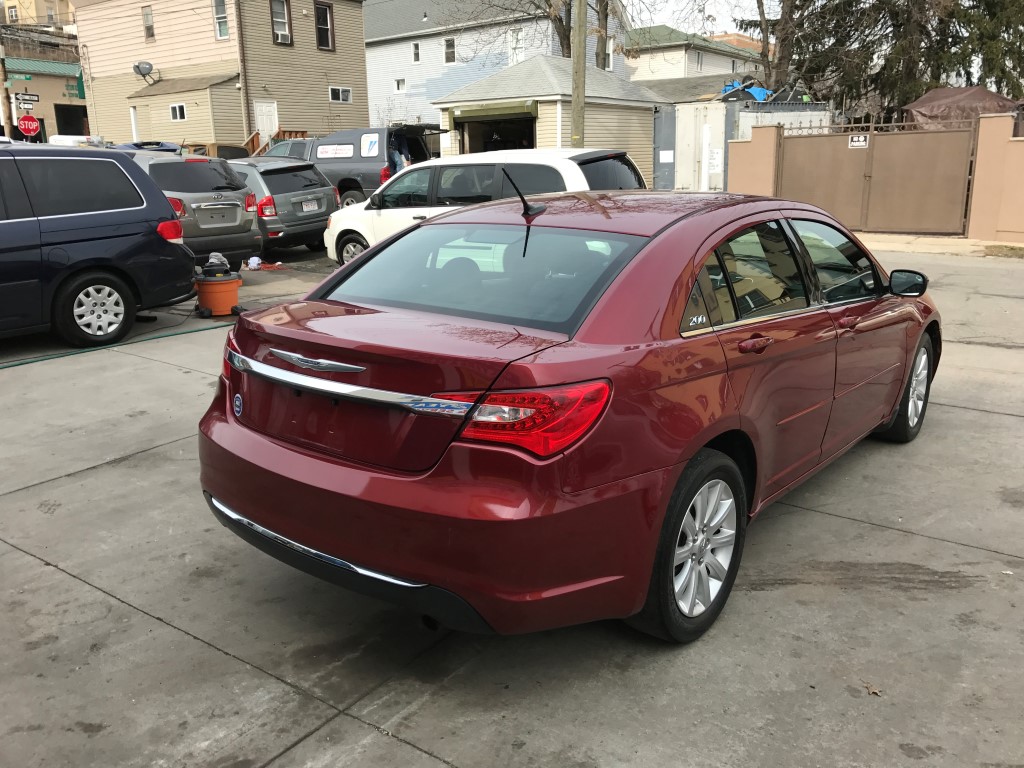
(216, 209)
(293, 199)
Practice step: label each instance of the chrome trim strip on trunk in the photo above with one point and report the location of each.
(316, 364)
(329, 559)
(415, 403)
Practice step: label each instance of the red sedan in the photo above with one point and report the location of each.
(515, 417)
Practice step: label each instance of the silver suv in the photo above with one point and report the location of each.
(217, 210)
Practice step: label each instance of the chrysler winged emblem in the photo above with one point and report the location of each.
(314, 364)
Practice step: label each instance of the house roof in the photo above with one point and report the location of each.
(685, 89)
(548, 76)
(41, 67)
(664, 36)
(183, 84)
(386, 19)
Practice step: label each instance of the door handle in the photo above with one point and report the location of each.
(755, 344)
(849, 322)
(418, 218)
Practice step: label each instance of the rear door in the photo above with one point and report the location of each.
(301, 193)
(21, 267)
(213, 195)
(779, 346)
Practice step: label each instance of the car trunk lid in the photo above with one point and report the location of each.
(301, 193)
(356, 382)
(213, 195)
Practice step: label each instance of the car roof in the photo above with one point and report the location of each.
(550, 156)
(640, 212)
(20, 149)
(271, 163)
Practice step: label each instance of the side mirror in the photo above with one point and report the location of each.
(907, 282)
(376, 201)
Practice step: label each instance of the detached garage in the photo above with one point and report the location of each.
(529, 106)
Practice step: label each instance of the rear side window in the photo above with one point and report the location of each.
(465, 185)
(532, 180)
(762, 271)
(612, 173)
(493, 272)
(13, 204)
(191, 177)
(281, 182)
(53, 191)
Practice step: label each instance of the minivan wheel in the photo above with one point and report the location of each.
(914, 403)
(351, 198)
(699, 550)
(93, 309)
(349, 247)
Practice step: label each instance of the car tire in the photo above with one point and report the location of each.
(93, 309)
(690, 583)
(349, 246)
(351, 198)
(914, 402)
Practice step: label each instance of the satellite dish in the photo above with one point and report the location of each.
(142, 68)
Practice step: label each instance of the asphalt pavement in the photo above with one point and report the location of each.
(878, 618)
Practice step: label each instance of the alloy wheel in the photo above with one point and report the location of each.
(704, 548)
(350, 250)
(99, 310)
(918, 388)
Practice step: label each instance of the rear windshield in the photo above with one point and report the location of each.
(612, 173)
(190, 177)
(301, 179)
(493, 272)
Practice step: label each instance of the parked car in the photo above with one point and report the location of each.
(355, 161)
(86, 240)
(436, 186)
(151, 146)
(293, 199)
(514, 420)
(217, 211)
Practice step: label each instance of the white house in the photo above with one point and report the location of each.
(663, 53)
(417, 53)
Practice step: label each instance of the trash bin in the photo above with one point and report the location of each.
(218, 296)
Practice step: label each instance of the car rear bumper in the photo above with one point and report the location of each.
(290, 234)
(233, 247)
(509, 544)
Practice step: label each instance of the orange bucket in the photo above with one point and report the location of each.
(218, 295)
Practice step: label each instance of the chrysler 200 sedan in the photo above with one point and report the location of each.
(513, 417)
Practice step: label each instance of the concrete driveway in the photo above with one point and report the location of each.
(878, 619)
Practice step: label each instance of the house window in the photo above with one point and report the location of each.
(281, 21)
(177, 113)
(340, 95)
(415, 53)
(757, 67)
(734, 65)
(400, 85)
(700, 61)
(449, 50)
(12, 14)
(515, 45)
(220, 19)
(609, 56)
(147, 22)
(324, 26)
(51, 15)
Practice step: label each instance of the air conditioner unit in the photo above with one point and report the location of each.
(284, 38)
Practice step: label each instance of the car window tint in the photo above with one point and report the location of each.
(695, 316)
(762, 271)
(51, 194)
(612, 173)
(493, 272)
(844, 270)
(465, 184)
(301, 179)
(716, 294)
(12, 192)
(191, 177)
(409, 191)
(279, 150)
(531, 180)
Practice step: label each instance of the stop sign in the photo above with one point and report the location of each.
(28, 125)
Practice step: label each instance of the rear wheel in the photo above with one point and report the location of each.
(699, 550)
(93, 309)
(351, 198)
(914, 403)
(349, 247)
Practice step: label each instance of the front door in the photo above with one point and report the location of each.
(266, 119)
(21, 297)
(780, 350)
(404, 201)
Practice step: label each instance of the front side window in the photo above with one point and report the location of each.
(281, 21)
(220, 19)
(549, 280)
(531, 180)
(109, 188)
(324, 26)
(178, 112)
(762, 271)
(148, 29)
(465, 185)
(409, 191)
(844, 270)
(449, 50)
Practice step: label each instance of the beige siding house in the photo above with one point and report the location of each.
(223, 71)
(664, 53)
(56, 13)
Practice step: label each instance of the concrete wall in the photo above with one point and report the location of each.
(752, 163)
(997, 201)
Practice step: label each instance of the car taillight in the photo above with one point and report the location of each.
(385, 174)
(178, 206)
(265, 207)
(230, 345)
(250, 203)
(171, 231)
(337, 197)
(541, 421)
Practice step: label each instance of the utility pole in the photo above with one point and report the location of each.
(579, 70)
(5, 97)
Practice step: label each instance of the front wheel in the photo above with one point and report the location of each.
(93, 309)
(349, 247)
(914, 403)
(699, 550)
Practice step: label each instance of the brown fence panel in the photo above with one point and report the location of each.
(823, 170)
(918, 182)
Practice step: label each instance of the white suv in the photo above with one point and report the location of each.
(435, 186)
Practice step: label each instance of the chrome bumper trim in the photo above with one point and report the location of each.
(416, 403)
(329, 559)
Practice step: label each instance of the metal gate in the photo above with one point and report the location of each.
(664, 147)
(888, 178)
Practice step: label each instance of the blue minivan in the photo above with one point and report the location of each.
(86, 240)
